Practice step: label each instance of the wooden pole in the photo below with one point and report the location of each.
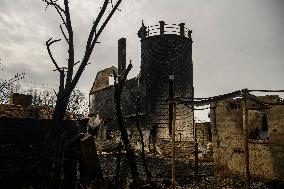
(195, 151)
(173, 147)
(195, 141)
(246, 149)
(172, 120)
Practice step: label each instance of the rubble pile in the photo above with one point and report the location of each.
(185, 177)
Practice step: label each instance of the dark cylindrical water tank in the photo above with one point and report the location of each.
(165, 55)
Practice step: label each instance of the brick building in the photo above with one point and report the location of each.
(166, 50)
(265, 133)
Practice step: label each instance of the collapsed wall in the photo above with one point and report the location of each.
(265, 144)
(20, 106)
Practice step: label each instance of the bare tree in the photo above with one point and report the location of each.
(69, 80)
(9, 86)
(119, 82)
(137, 123)
(41, 98)
(77, 105)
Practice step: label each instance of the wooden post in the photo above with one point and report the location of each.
(195, 140)
(181, 29)
(215, 138)
(195, 151)
(162, 27)
(246, 149)
(173, 147)
(172, 120)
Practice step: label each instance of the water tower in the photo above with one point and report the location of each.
(166, 51)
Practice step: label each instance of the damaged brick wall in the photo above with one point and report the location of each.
(203, 133)
(276, 139)
(102, 101)
(265, 155)
(102, 79)
(20, 107)
(102, 104)
(17, 111)
(33, 112)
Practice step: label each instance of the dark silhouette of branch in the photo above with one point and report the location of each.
(105, 23)
(63, 33)
(58, 8)
(95, 24)
(53, 3)
(7, 87)
(77, 63)
(48, 44)
(137, 121)
(89, 50)
(54, 142)
(118, 86)
(71, 44)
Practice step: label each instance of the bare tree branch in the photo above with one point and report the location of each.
(114, 76)
(71, 43)
(57, 8)
(111, 2)
(55, 140)
(95, 24)
(61, 16)
(77, 63)
(92, 40)
(53, 3)
(120, 123)
(62, 31)
(125, 73)
(48, 44)
(89, 51)
(105, 23)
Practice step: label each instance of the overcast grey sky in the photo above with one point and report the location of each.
(236, 43)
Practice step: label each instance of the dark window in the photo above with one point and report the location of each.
(261, 132)
(264, 123)
(209, 134)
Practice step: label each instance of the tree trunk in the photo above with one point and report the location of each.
(148, 173)
(55, 142)
(124, 136)
(117, 170)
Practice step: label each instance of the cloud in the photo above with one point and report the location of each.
(237, 43)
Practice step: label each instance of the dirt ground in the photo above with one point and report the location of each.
(160, 168)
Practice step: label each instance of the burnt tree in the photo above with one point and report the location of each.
(118, 86)
(68, 80)
(137, 122)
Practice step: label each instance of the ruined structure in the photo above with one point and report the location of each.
(203, 133)
(166, 51)
(23, 131)
(20, 106)
(265, 133)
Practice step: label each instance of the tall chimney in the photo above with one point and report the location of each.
(121, 55)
